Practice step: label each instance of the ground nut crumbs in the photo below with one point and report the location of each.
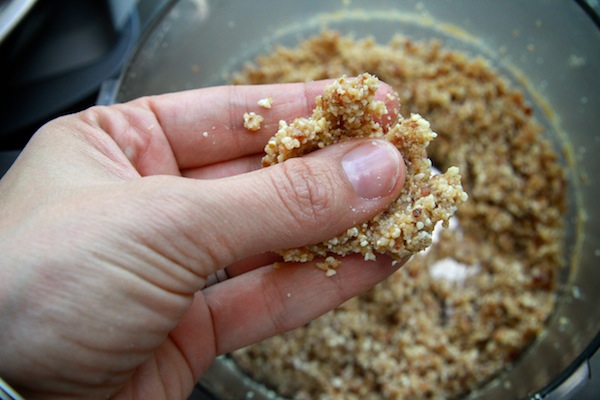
(265, 103)
(420, 333)
(329, 266)
(347, 110)
(252, 121)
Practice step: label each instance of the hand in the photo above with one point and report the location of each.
(112, 219)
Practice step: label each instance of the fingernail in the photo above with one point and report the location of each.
(372, 168)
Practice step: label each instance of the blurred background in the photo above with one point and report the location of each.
(55, 56)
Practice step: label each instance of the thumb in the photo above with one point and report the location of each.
(300, 201)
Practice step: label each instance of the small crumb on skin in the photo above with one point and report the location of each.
(329, 265)
(252, 121)
(265, 103)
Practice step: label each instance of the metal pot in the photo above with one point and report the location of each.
(198, 43)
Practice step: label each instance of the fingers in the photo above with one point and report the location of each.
(301, 201)
(252, 262)
(242, 266)
(218, 129)
(202, 127)
(226, 168)
(269, 301)
(266, 302)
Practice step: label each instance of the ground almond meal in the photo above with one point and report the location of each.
(422, 334)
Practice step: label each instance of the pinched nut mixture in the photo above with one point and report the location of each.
(456, 315)
(346, 110)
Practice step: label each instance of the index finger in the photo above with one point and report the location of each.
(206, 126)
(211, 120)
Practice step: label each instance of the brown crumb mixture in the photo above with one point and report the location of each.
(419, 334)
(252, 121)
(346, 110)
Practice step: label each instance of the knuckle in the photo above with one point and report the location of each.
(304, 193)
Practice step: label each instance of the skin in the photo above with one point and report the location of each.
(112, 219)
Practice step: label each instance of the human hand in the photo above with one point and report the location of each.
(112, 219)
